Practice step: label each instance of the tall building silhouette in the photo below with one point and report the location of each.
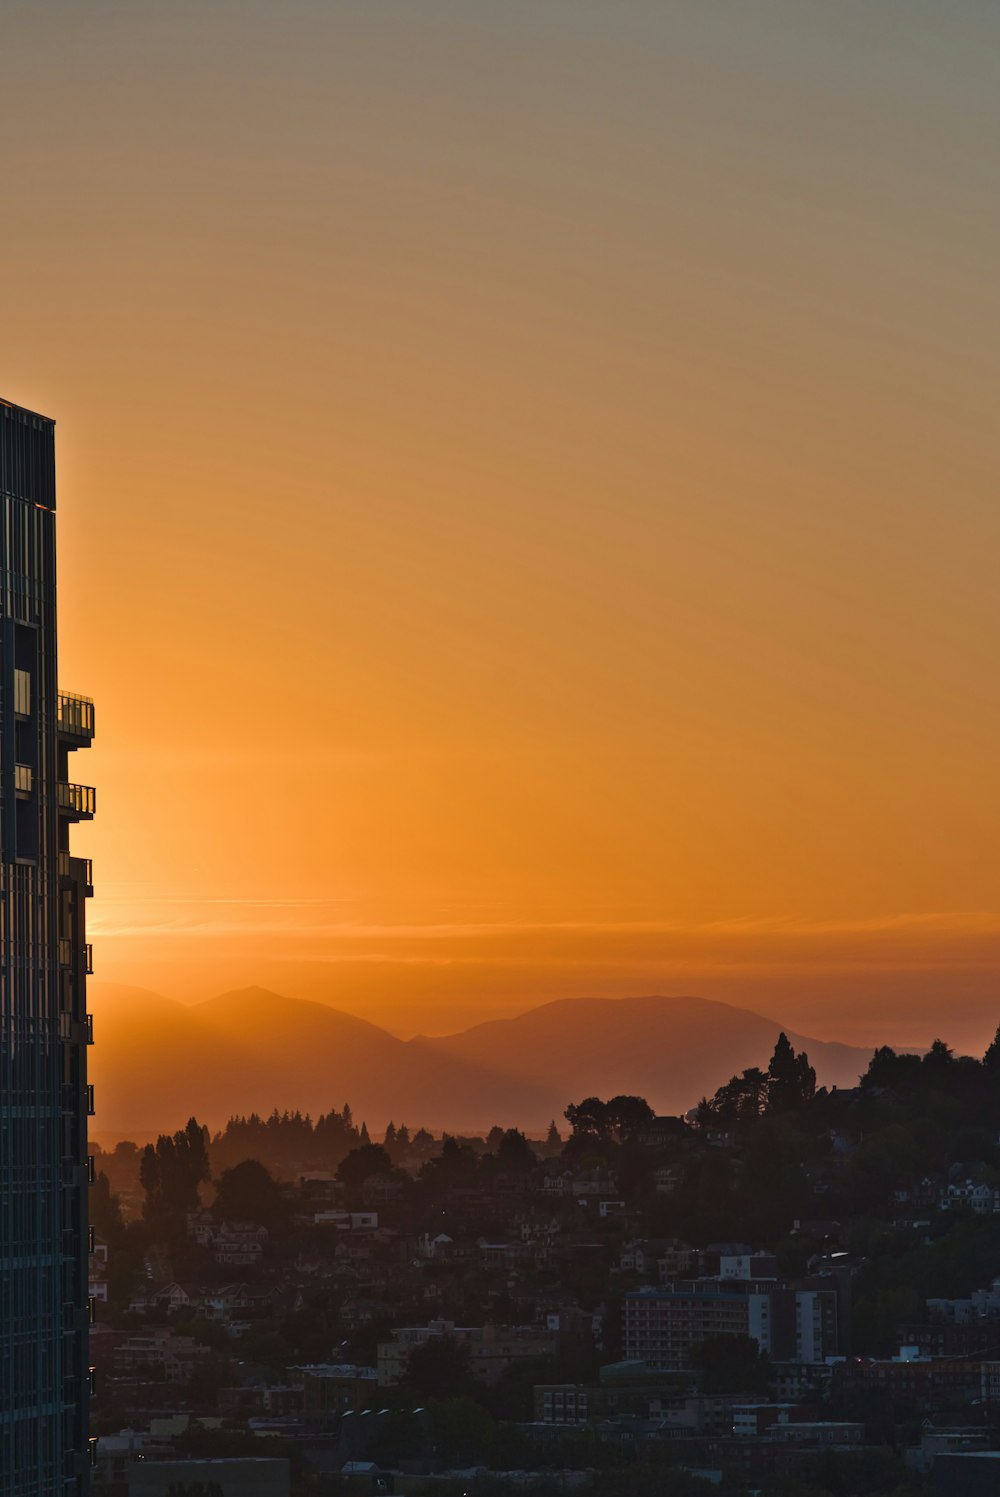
(44, 1026)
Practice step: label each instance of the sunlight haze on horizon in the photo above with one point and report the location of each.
(527, 496)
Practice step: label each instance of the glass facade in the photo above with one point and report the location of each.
(44, 1029)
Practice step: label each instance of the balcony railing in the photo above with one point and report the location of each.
(88, 957)
(89, 1099)
(75, 716)
(66, 861)
(78, 801)
(89, 1022)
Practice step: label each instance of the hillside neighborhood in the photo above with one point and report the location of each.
(792, 1289)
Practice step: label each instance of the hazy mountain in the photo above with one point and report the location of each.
(156, 1062)
(670, 1050)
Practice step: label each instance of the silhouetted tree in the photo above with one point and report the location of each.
(455, 1165)
(515, 1155)
(106, 1211)
(361, 1163)
(553, 1139)
(991, 1059)
(741, 1100)
(438, 1368)
(589, 1118)
(626, 1116)
(730, 1364)
(249, 1192)
(887, 1070)
(791, 1079)
(939, 1059)
(170, 1173)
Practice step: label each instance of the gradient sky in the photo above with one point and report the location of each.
(528, 492)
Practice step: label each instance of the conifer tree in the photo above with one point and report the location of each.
(991, 1060)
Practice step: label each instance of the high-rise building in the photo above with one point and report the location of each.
(44, 1026)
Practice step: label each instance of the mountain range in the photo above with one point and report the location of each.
(156, 1062)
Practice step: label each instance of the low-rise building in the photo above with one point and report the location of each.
(239, 1244)
(160, 1355)
(242, 1476)
(492, 1348)
(330, 1389)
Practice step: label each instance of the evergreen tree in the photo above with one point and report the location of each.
(791, 1080)
(939, 1059)
(170, 1173)
(991, 1060)
(515, 1155)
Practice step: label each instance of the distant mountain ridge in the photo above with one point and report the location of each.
(155, 1061)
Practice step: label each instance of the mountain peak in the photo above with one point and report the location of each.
(253, 1050)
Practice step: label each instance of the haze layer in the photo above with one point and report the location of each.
(527, 494)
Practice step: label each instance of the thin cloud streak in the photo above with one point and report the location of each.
(972, 922)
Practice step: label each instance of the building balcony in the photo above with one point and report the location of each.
(76, 802)
(75, 719)
(69, 873)
(67, 955)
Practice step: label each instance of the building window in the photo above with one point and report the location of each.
(22, 693)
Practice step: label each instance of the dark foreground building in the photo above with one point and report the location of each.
(44, 1028)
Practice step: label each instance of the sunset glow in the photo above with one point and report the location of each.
(528, 497)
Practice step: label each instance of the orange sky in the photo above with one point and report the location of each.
(528, 493)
